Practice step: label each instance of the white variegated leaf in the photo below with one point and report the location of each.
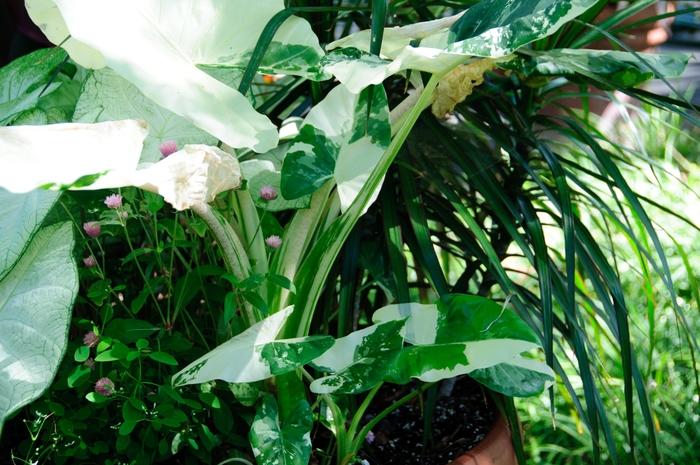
(340, 140)
(60, 154)
(254, 355)
(491, 28)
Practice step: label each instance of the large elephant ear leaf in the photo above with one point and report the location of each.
(281, 443)
(65, 155)
(21, 216)
(23, 81)
(158, 44)
(106, 96)
(518, 376)
(358, 361)
(36, 299)
(604, 68)
(254, 355)
(496, 28)
(144, 49)
(457, 318)
(47, 16)
(490, 28)
(467, 318)
(342, 139)
(467, 334)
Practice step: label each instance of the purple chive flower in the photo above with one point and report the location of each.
(89, 261)
(124, 215)
(273, 241)
(91, 339)
(113, 201)
(370, 437)
(268, 193)
(104, 386)
(92, 228)
(168, 148)
(90, 363)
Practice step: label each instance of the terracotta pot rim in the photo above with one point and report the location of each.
(482, 453)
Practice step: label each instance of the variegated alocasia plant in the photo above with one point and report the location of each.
(166, 71)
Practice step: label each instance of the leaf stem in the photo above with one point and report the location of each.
(232, 250)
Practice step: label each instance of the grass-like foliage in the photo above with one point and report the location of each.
(225, 225)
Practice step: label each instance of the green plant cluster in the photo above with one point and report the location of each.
(260, 223)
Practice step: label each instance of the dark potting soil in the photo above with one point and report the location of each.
(461, 420)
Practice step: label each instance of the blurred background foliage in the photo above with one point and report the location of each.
(587, 228)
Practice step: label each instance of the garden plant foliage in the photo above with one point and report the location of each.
(254, 222)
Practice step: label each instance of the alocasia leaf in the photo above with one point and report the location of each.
(47, 16)
(254, 355)
(36, 300)
(61, 154)
(359, 360)
(491, 28)
(465, 334)
(457, 318)
(620, 68)
(157, 46)
(259, 173)
(106, 96)
(24, 79)
(281, 443)
(142, 45)
(496, 28)
(516, 377)
(340, 140)
(21, 216)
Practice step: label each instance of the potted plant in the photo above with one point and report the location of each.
(159, 112)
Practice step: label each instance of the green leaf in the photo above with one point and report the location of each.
(619, 68)
(223, 420)
(284, 444)
(21, 216)
(281, 281)
(80, 374)
(130, 413)
(285, 356)
(340, 140)
(496, 28)
(24, 79)
(61, 154)
(359, 360)
(491, 28)
(243, 358)
(208, 439)
(128, 331)
(428, 363)
(457, 318)
(261, 173)
(162, 357)
(246, 393)
(96, 398)
(517, 377)
(210, 399)
(82, 353)
(463, 334)
(31, 117)
(118, 351)
(182, 36)
(476, 318)
(36, 299)
(106, 96)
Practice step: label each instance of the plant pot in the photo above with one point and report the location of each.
(495, 449)
(463, 414)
